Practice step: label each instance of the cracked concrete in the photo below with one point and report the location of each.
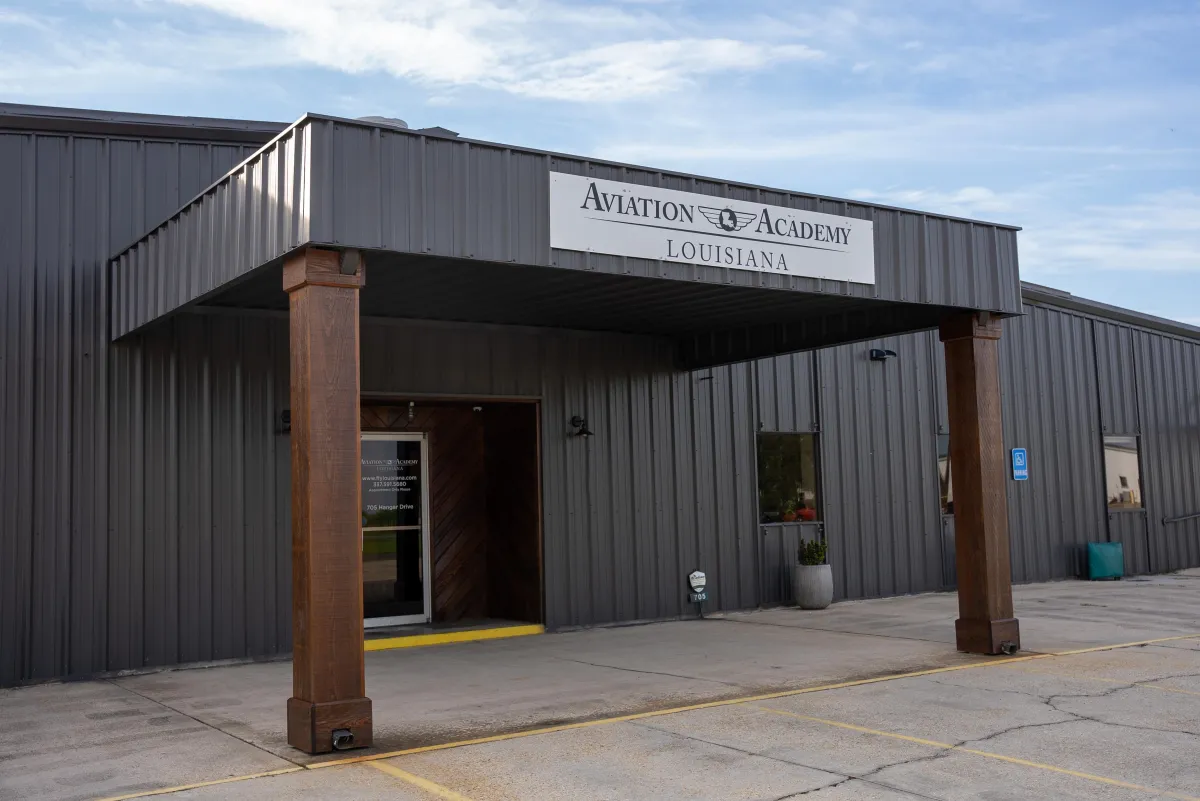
(1112, 724)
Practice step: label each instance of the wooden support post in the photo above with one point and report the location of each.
(328, 676)
(985, 622)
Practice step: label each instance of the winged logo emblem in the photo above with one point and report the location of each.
(727, 219)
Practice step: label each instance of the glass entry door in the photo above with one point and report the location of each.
(395, 529)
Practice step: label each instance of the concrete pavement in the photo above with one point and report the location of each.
(1103, 724)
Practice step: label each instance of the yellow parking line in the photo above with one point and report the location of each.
(475, 635)
(987, 754)
(417, 781)
(1167, 689)
(661, 712)
(1117, 646)
(742, 700)
(669, 711)
(195, 785)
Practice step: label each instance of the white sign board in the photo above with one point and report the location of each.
(594, 214)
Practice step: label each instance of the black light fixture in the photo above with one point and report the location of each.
(581, 427)
(880, 355)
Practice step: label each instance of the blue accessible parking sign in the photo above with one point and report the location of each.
(1020, 462)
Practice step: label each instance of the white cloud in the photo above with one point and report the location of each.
(969, 201)
(1158, 232)
(915, 135)
(535, 48)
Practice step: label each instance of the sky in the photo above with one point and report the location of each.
(1078, 121)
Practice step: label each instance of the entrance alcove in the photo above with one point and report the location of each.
(484, 510)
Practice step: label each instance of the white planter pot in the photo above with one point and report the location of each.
(812, 586)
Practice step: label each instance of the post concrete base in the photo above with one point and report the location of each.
(987, 636)
(311, 726)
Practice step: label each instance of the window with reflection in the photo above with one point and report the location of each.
(787, 478)
(1122, 472)
(945, 487)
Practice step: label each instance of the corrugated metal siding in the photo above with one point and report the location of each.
(395, 190)
(72, 410)
(254, 214)
(196, 532)
(785, 393)
(879, 467)
(1116, 379)
(665, 486)
(1169, 383)
(1129, 529)
(144, 489)
(1048, 382)
(369, 187)
(780, 547)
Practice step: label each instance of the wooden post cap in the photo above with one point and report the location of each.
(323, 267)
(968, 325)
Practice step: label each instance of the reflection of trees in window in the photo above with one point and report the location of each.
(1122, 472)
(787, 478)
(945, 486)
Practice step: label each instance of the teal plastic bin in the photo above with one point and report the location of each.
(1105, 560)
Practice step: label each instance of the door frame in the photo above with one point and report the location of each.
(426, 557)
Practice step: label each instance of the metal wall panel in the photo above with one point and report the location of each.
(1129, 529)
(879, 467)
(79, 420)
(665, 486)
(254, 214)
(1169, 399)
(785, 393)
(1048, 383)
(196, 532)
(780, 547)
(490, 202)
(1116, 379)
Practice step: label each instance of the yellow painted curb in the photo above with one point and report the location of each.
(420, 640)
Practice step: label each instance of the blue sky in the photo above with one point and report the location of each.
(1079, 121)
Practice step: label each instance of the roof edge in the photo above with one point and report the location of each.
(283, 131)
(50, 119)
(1049, 296)
(641, 167)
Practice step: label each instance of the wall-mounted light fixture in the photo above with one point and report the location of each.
(880, 355)
(581, 427)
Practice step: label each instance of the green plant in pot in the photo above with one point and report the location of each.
(812, 578)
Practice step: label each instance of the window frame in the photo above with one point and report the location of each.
(818, 488)
(938, 470)
(1141, 484)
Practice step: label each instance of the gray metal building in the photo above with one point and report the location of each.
(144, 470)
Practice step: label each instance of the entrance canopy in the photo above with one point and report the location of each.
(453, 229)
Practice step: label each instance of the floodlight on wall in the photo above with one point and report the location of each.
(581, 427)
(880, 355)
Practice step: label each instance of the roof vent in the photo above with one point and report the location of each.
(391, 122)
(438, 130)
